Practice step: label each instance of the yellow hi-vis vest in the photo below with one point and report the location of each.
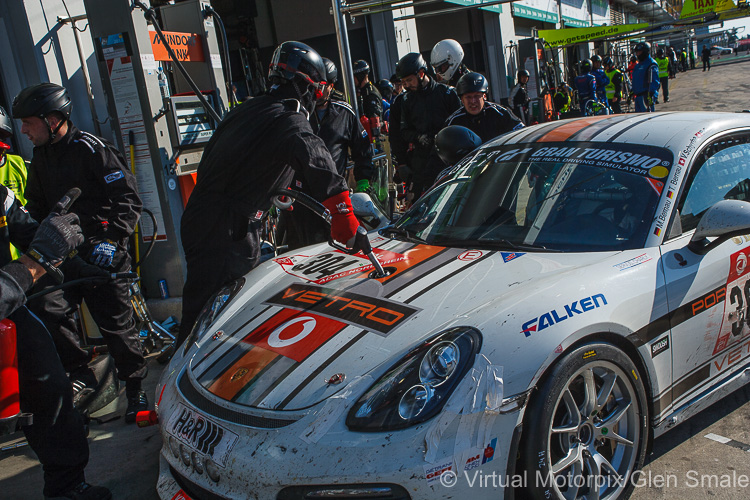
(610, 88)
(663, 67)
(13, 176)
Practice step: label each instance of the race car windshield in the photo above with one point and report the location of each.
(548, 196)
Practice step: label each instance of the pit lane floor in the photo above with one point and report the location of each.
(684, 463)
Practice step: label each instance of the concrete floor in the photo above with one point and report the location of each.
(125, 458)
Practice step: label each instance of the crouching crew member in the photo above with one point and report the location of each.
(484, 118)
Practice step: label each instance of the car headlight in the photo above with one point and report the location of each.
(212, 309)
(418, 386)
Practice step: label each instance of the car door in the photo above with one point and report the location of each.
(708, 295)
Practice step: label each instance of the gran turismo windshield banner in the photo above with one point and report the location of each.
(648, 161)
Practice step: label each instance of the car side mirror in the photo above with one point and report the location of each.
(366, 210)
(724, 220)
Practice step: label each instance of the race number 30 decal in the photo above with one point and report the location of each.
(737, 303)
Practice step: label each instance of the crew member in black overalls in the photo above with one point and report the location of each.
(109, 208)
(256, 149)
(56, 434)
(335, 122)
(484, 118)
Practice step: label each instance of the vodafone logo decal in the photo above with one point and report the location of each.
(294, 334)
(276, 340)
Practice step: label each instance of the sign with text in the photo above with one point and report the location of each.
(188, 47)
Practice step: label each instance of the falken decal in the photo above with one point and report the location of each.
(555, 316)
(332, 265)
(378, 315)
(113, 177)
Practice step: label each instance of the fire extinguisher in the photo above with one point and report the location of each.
(9, 403)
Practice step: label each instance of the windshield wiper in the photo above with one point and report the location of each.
(401, 234)
(491, 245)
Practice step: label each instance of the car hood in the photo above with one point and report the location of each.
(307, 323)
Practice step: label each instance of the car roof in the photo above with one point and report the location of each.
(666, 129)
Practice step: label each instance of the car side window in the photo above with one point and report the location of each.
(721, 172)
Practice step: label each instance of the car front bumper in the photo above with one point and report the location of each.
(282, 463)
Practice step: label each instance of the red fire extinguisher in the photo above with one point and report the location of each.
(9, 404)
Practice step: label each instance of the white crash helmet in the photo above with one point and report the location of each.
(446, 56)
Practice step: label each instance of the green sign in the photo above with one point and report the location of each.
(498, 9)
(575, 23)
(530, 13)
(570, 36)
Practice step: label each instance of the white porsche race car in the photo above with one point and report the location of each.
(567, 293)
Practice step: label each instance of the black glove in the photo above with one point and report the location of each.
(58, 235)
(425, 140)
(76, 268)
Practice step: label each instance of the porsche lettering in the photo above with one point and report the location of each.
(569, 310)
(708, 301)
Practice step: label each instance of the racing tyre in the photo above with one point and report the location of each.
(587, 427)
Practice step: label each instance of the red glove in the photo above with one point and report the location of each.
(343, 222)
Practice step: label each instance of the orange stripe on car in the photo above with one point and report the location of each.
(565, 131)
(242, 373)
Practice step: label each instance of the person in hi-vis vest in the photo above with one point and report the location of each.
(663, 61)
(12, 167)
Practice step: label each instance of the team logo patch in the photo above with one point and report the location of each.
(113, 177)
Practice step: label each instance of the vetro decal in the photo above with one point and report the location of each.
(379, 315)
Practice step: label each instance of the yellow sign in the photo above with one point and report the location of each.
(724, 5)
(694, 8)
(570, 36)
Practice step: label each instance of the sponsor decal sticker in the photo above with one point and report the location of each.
(658, 172)
(239, 374)
(555, 316)
(474, 461)
(647, 161)
(508, 256)
(659, 346)
(332, 265)
(202, 434)
(113, 177)
(432, 472)
(181, 495)
(635, 261)
(489, 451)
(294, 334)
(470, 255)
(657, 186)
(736, 297)
(558, 349)
(374, 314)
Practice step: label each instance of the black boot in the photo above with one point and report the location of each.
(137, 400)
(84, 491)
